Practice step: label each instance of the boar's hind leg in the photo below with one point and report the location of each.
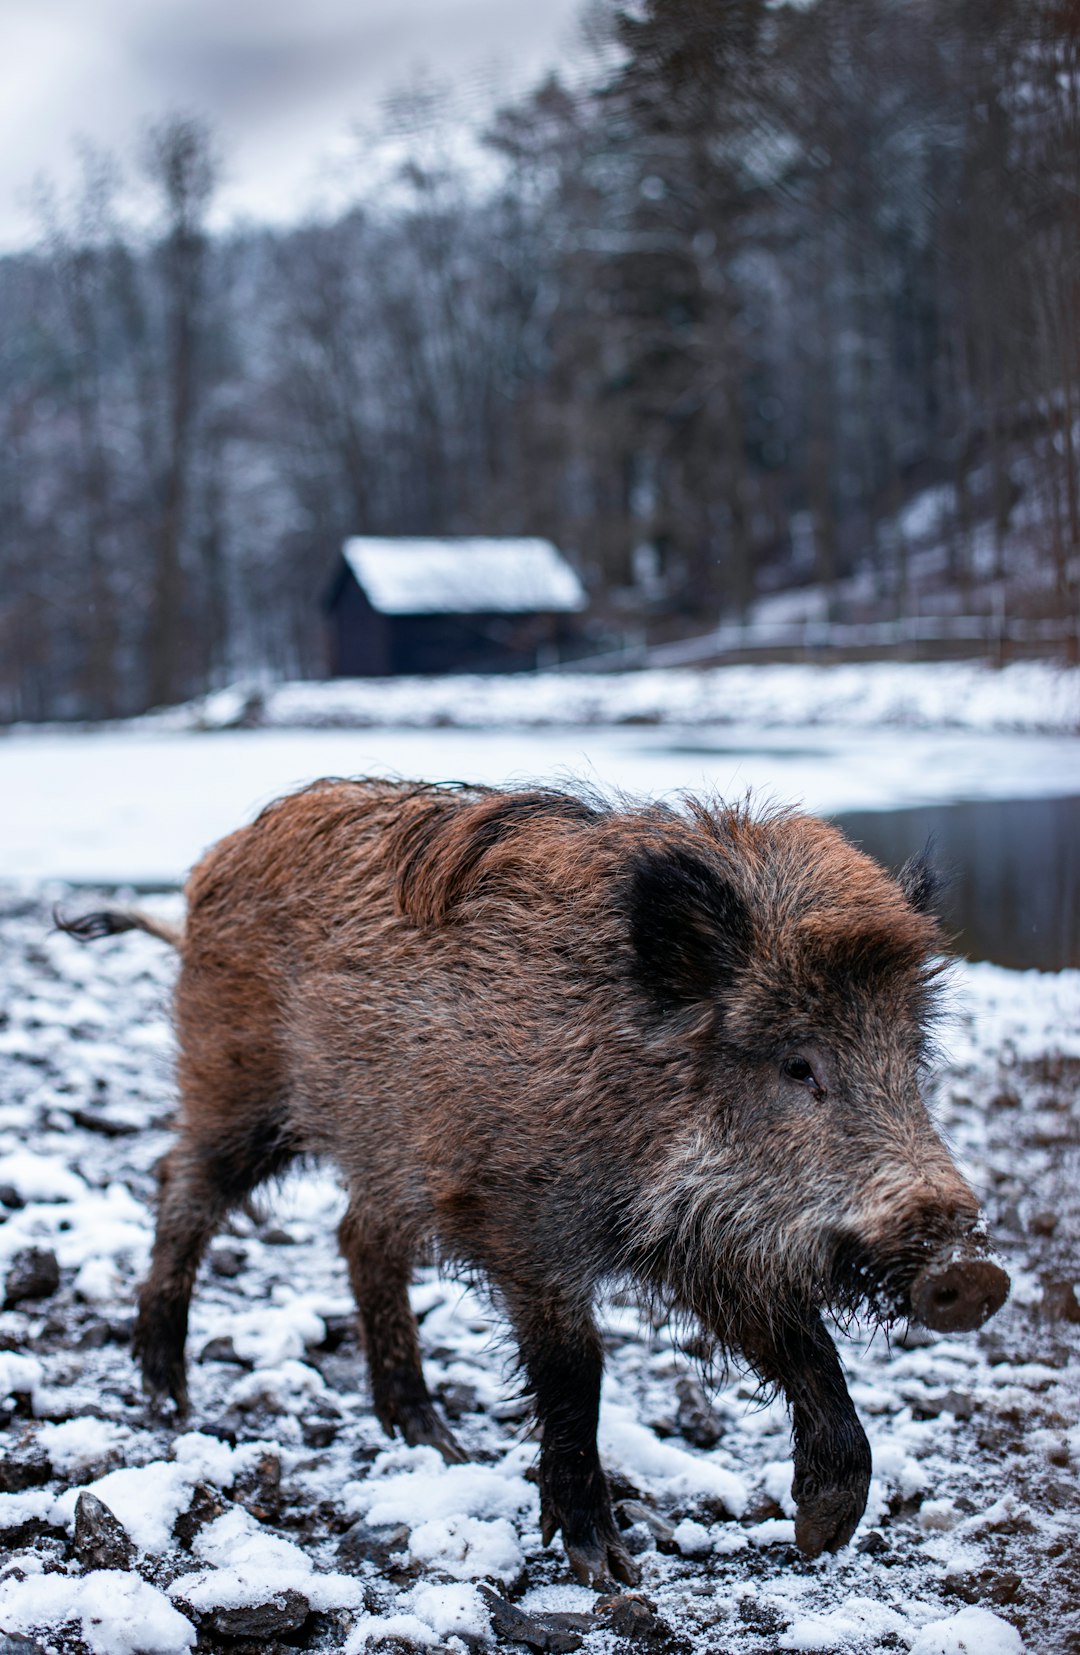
(832, 1455)
(201, 1180)
(380, 1270)
(563, 1362)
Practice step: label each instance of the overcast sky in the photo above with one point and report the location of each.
(283, 81)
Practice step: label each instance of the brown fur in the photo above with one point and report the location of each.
(544, 1040)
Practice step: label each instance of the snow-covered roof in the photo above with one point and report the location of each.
(463, 576)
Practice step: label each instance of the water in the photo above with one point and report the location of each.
(1014, 872)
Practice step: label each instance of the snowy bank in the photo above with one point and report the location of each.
(963, 695)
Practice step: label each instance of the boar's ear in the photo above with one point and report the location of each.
(922, 883)
(689, 927)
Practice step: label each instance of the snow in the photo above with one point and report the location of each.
(463, 576)
(19, 1375)
(662, 1467)
(375, 1629)
(451, 1610)
(435, 1613)
(98, 1281)
(117, 1614)
(693, 1539)
(469, 1548)
(1028, 1010)
(967, 695)
(75, 1446)
(971, 1631)
(92, 1225)
(39, 1177)
(857, 1620)
(275, 1334)
(415, 1485)
(284, 1388)
(147, 1500)
(247, 1567)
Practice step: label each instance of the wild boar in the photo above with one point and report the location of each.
(567, 1045)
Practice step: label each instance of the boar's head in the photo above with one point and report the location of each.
(806, 1171)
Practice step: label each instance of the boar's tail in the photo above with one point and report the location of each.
(108, 922)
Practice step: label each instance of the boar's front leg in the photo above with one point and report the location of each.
(832, 1455)
(563, 1360)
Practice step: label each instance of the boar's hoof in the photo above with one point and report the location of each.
(423, 1425)
(158, 1347)
(956, 1294)
(597, 1559)
(831, 1483)
(827, 1521)
(164, 1385)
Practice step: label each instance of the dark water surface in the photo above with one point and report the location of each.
(1014, 872)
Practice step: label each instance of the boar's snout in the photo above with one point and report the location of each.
(958, 1291)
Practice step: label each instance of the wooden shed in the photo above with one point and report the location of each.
(457, 605)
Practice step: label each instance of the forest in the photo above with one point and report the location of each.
(710, 312)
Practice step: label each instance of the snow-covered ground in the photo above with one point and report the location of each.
(962, 695)
(281, 1516)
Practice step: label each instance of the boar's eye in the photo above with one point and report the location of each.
(797, 1068)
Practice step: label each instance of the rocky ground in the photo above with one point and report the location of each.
(280, 1518)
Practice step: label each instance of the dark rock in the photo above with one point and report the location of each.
(227, 1261)
(34, 1274)
(959, 1404)
(103, 1124)
(285, 1612)
(222, 1349)
(12, 1644)
(537, 1631)
(621, 1487)
(100, 1540)
(10, 1198)
(762, 1617)
(364, 1544)
(1043, 1223)
(260, 1488)
(340, 1330)
(985, 1586)
(458, 1400)
(569, 1620)
(206, 1505)
(1059, 1302)
(275, 1236)
(319, 1430)
(872, 1544)
(634, 1513)
(226, 1428)
(926, 1404)
(115, 1330)
(94, 1336)
(29, 1469)
(632, 1615)
(696, 1418)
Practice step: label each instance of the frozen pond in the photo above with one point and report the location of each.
(1013, 869)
